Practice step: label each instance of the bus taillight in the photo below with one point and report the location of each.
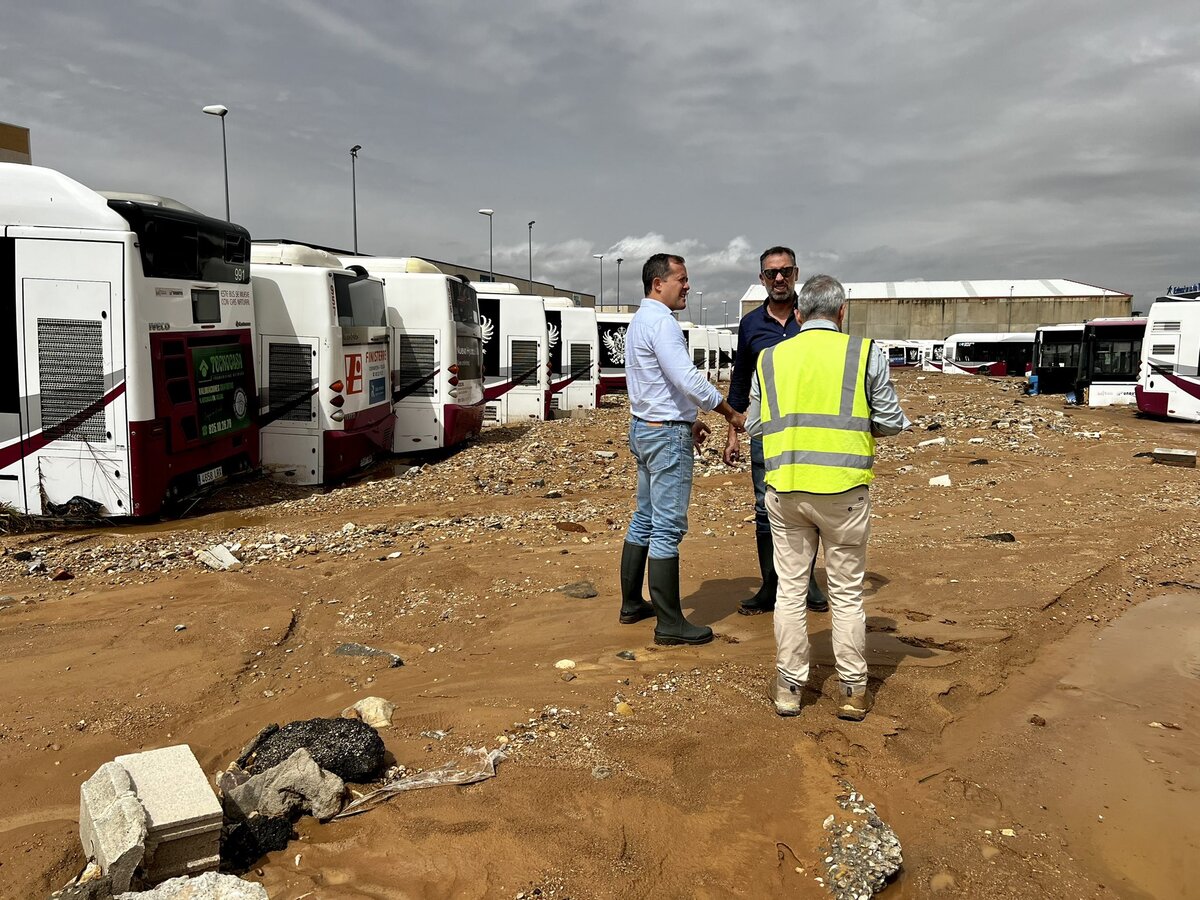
(337, 415)
(337, 387)
(453, 369)
(337, 400)
(454, 380)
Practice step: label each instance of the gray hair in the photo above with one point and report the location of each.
(820, 298)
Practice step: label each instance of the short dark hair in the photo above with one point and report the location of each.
(658, 266)
(776, 250)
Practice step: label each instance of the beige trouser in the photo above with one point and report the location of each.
(843, 522)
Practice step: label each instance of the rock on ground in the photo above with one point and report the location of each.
(209, 886)
(294, 787)
(244, 843)
(349, 748)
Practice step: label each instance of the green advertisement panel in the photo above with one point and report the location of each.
(221, 399)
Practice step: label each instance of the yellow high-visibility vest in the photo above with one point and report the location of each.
(815, 417)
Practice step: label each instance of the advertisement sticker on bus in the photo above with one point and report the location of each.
(220, 374)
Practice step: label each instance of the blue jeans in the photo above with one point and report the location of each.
(664, 486)
(758, 473)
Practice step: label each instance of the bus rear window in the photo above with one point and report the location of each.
(359, 301)
(464, 305)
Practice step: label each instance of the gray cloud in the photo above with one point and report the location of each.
(882, 140)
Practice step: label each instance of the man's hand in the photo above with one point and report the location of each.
(737, 421)
(733, 449)
(700, 431)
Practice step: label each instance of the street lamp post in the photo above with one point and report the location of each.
(700, 294)
(600, 298)
(619, 261)
(221, 112)
(724, 313)
(531, 224)
(354, 192)
(491, 269)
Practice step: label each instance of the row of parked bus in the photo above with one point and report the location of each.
(1151, 362)
(150, 351)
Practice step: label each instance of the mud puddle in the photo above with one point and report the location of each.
(1096, 747)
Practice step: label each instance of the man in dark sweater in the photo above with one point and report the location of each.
(760, 328)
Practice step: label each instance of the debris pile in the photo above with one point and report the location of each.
(863, 851)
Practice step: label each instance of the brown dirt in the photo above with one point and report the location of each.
(702, 791)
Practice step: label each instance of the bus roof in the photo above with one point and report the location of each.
(293, 255)
(36, 196)
(1066, 326)
(410, 265)
(495, 287)
(993, 337)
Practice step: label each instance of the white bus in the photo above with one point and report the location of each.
(1057, 353)
(126, 345)
(725, 343)
(1169, 379)
(437, 352)
(516, 354)
(988, 353)
(611, 329)
(930, 353)
(326, 406)
(1112, 355)
(573, 347)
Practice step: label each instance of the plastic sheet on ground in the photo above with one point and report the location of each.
(476, 765)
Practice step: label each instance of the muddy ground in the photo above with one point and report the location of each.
(1036, 731)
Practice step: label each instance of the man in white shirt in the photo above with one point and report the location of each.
(666, 392)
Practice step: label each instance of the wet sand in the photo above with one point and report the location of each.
(703, 791)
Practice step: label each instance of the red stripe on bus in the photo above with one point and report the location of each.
(24, 446)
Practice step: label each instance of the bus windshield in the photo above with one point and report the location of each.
(359, 301)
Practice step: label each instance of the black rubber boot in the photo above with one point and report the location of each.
(672, 627)
(816, 601)
(633, 573)
(764, 600)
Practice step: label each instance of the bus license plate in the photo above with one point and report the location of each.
(210, 476)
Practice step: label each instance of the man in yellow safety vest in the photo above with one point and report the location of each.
(818, 400)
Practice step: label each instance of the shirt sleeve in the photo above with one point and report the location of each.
(678, 368)
(754, 410)
(743, 370)
(887, 417)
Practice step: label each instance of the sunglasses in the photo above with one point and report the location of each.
(786, 272)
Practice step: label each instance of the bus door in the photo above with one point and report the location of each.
(72, 376)
(581, 392)
(291, 439)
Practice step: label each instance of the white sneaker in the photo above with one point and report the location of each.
(787, 697)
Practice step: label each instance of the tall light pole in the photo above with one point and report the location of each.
(700, 294)
(600, 298)
(724, 313)
(354, 192)
(221, 112)
(531, 224)
(619, 261)
(491, 270)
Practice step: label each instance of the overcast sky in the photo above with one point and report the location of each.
(882, 140)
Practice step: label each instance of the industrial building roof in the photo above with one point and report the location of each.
(956, 290)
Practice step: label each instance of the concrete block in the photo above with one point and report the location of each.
(118, 840)
(96, 795)
(1169, 457)
(294, 786)
(172, 787)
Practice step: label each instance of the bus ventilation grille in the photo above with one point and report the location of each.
(71, 376)
(290, 382)
(581, 359)
(491, 412)
(416, 363)
(525, 361)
